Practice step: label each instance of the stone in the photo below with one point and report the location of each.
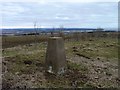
(55, 56)
(28, 62)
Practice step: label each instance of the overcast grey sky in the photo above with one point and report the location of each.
(54, 14)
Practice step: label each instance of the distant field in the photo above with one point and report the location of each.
(11, 41)
(91, 62)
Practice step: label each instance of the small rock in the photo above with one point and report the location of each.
(105, 68)
(74, 47)
(96, 77)
(98, 58)
(108, 74)
(118, 79)
(17, 73)
(4, 62)
(99, 86)
(75, 50)
(92, 60)
(28, 62)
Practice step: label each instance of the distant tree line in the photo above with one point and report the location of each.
(31, 34)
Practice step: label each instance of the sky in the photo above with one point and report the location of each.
(56, 13)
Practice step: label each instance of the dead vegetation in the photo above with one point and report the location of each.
(91, 63)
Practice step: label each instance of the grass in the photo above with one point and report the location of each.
(78, 67)
(36, 52)
(103, 47)
(11, 41)
(28, 59)
(17, 66)
(18, 55)
(25, 64)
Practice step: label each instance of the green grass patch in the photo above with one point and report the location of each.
(78, 67)
(102, 47)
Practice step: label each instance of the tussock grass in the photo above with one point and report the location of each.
(28, 58)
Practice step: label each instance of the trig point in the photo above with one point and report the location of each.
(55, 56)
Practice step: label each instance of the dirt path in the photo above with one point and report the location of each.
(102, 73)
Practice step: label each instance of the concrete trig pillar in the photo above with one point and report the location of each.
(55, 56)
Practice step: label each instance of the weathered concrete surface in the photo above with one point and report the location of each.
(0, 72)
(55, 56)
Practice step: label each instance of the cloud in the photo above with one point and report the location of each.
(8, 8)
(45, 1)
(92, 14)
